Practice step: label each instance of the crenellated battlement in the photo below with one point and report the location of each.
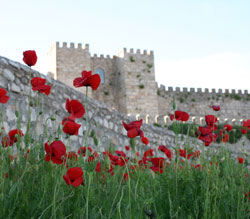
(131, 51)
(101, 56)
(201, 90)
(65, 45)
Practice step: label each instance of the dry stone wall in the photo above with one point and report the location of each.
(106, 122)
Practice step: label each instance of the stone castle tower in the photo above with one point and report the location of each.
(128, 85)
(127, 80)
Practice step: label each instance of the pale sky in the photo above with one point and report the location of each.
(196, 43)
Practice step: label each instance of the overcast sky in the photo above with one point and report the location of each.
(196, 43)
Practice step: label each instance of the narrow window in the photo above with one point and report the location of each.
(100, 72)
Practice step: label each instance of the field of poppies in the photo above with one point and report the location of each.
(45, 179)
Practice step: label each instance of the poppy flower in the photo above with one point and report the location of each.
(98, 167)
(72, 155)
(180, 115)
(133, 129)
(127, 148)
(209, 138)
(6, 141)
(205, 130)
(11, 138)
(70, 127)
(87, 79)
(225, 138)
(38, 84)
(13, 133)
(183, 153)
(82, 151)
(56, 152)
(75, 108)
(243, 131)
(228, 127)
(158, 162)
(74, 176)
(246, 124)
(241, 160)
(144, 140)
(211, 120)
(125, 177)
(120, 153)
(216, 107)
(29, 57)
(3, 97)
(149, 152)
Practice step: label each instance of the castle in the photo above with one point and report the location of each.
(128, 85)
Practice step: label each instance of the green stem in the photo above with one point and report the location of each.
(87, 126)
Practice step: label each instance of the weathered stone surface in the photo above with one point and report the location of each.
(8, 74)
(15, 88)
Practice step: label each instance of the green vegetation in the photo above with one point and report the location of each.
(131, 58)
(141, 86)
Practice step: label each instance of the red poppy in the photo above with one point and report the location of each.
(98, 167)
(180, 115)
(82, 151)
(216, 108)
(156, 169)
(137, 154)
(164, 149)
(120, 153)
(70, 127)
(149, 152)
(72, 155)
(87, 79)
(11, 138)
(206, 130)
(209, 138)
(194, 154)
(241, 160)
(38, 84)
(75, 108)
(228, 127)
(246, 123)
(74, 176)
(13, 133)
(29, 57)
(243, 131)
(6, 141)
(127, 148)
(183, 153)
(133, 129)
(56, 152)
(225, 138)
(3, 97)
(210, 120)
(158, 162)
(144, 140)
(125, 177)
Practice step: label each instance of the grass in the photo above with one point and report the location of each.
(212, 185)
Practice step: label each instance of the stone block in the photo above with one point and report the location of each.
(15, 88)
(8, 74)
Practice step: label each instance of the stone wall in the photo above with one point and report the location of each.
(105, 121)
